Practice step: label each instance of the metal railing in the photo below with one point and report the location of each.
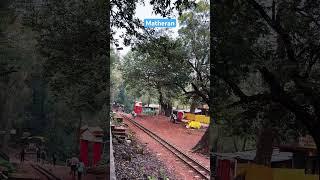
(112, 165)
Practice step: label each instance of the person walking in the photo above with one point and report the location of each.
(43, 156)
(74, 163)
(80, 169)
(54, 159)
(22, 155)
(38, 154)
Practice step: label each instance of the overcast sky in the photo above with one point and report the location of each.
(144, 12)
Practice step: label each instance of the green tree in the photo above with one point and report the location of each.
(269, 44)
(72, 39)
(194, 34)
(122, 16)
(157, 64)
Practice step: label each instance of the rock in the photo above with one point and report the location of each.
(126, 156)
(139, 151)
(133, 161)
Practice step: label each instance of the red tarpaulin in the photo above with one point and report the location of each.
(224, 167)
(84, 152)
(97, 149)
(180, 115)
(137, 107)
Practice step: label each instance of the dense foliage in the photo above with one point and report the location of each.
(276, 41)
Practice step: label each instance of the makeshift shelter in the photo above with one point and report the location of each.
(137, 108)
(304, 154)
(91, 145)
(151, 109)
(278, 158)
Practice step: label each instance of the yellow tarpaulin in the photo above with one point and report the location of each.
(265, 173)
(194, 124)
(199, 118)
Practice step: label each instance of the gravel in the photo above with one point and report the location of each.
(134, 161)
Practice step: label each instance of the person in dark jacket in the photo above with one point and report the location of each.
(38, 154)
(22, 155)
(54, 159)
(43, 156)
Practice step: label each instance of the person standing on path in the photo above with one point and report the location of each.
(74, 163)
(80, 169)
(54, 159)
(43, 156)
(38, 154)
(22, 154)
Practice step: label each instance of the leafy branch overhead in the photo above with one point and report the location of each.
(73, 42)
(122, 16)
(275, 40)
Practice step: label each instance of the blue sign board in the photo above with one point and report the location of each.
(160, 23)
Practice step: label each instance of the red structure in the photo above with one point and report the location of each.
(180, 115)
(137, 108)
(226, 169)
(91, 145)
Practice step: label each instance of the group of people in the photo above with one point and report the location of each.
(41, 156)
(77, 167)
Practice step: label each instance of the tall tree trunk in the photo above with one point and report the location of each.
(203, 144)
(162, 105)
(77, 147)
(264, 147)
(244, 144)
(235, 143)
(6, 118)
(149, 99)
(168, 110)
(193, 106)
(8, 126)
(165, 107)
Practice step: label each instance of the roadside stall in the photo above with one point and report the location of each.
(137, 108)
(91, 145)
(197, 119)
(151, 109)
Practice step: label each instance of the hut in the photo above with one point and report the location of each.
(137, 108)
(151, 109)
(304, 154)
(91, 145)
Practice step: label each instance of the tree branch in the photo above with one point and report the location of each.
(278, 95)
(235, 88)
(304, 14)
(275, 25)
(250, 99)
(7, 72)
(205, 97)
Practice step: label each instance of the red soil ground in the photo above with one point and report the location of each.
(25, 169)
(176, 134)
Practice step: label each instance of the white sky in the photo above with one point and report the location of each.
(144, 12)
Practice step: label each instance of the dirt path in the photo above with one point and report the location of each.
(182, 171)
(176, 134)
(26, 170)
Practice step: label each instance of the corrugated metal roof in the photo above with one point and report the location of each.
(277, 156)
(95, 129)
(88, 134)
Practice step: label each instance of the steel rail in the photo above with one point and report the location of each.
(45, 172)
(199, 168)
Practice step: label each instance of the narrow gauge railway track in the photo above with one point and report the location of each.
(45, 172)
(199, 168)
